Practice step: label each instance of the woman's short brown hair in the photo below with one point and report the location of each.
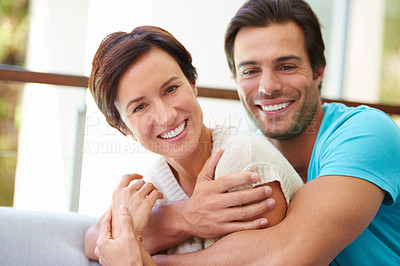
(117, 52)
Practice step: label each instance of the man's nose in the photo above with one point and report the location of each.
(269, 83)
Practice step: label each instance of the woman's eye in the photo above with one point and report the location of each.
(170, 89)
(138, 108)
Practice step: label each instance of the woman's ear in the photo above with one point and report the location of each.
(194, 88)
(125, 130)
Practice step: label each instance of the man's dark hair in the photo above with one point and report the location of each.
(261, 13)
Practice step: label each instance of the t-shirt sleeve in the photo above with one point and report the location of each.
(251, 152)
(366, 146)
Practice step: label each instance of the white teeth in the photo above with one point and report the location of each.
(175, 132)
(276, 107)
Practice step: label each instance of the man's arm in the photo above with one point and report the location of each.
(209, 213)
(324, 217)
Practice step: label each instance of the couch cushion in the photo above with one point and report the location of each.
(42, 238)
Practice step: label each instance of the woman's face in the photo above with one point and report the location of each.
(159, 106)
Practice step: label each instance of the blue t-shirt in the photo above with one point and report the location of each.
(363, 142)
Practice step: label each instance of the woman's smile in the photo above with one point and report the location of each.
(175, 132)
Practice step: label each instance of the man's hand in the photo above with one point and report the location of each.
(211, 212)
(122, 250)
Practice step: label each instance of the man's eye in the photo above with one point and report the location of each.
(170, 89)
(285, 68)
(249, 72)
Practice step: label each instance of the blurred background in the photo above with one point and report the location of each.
(57, 153)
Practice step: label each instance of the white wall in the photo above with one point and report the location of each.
(364, 54)
(57, 34)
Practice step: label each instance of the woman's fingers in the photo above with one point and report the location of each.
(127, 179)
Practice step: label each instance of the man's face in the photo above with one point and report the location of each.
(275, 80)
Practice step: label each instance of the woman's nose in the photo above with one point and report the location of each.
(165, 113)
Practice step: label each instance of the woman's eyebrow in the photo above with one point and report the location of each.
(169, 81)
(133, 101)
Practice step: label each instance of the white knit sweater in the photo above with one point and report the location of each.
(243, 152)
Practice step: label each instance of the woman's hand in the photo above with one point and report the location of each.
(139, 197)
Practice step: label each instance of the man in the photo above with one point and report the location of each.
(348, 212)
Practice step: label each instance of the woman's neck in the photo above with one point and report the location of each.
(187, 169)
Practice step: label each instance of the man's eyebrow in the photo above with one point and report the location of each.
(278, 60)
(289, 57)
(246, 63)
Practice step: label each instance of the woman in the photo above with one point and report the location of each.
(145, 85)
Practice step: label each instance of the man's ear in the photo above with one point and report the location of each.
(319, 74)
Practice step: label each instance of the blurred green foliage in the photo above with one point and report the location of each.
(390, 81)
(13, 40)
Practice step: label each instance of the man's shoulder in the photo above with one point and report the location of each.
(339, 117)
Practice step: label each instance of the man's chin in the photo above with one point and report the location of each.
(280, 133)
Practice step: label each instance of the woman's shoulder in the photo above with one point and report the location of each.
(232, 137)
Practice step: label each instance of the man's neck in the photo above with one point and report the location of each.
(298, 150)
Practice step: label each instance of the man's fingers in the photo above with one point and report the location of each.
(127, 179)
(105, 226)
(126, 221)
(209, 167)
(249, 225)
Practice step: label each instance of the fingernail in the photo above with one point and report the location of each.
(268, 190)
(263, 223)
(218, 150)
(271, 203)
(123, 209)
(254, 177)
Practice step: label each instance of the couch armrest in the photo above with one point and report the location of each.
(42, 238)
